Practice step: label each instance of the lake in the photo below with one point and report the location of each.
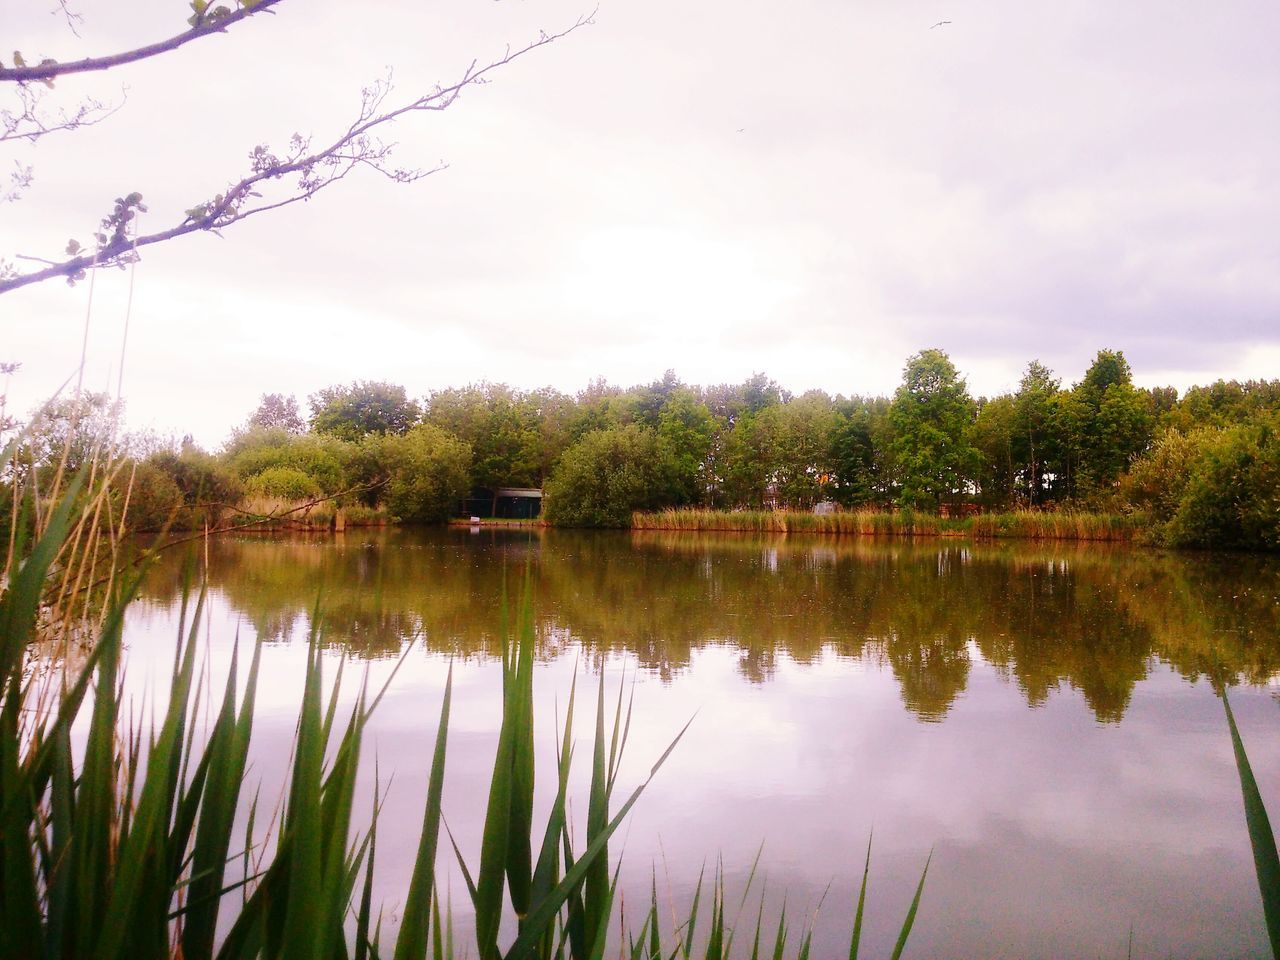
(1042, 718)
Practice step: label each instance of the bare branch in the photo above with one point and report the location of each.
(19, 179)
(203, 23)
(73, 19)
(310, 170)
(28, 123)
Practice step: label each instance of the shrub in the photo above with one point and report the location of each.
(1157, 480)
(324, 459)
(1232, 495)
(154, 499)
(286, 483)
(427, 472)
(207, 487)
(606, 476)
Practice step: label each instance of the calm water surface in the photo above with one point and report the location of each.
(1042, 718)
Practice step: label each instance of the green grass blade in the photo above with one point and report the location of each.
(412, 943)
(546, 871)
(303, 824)
(597, 876)
(22, 598)
(1265, 861)
(519, 834)
(781, 937)
(497, 827)
(363, 928)
(911, 912)
(543, 915)
(862, 899)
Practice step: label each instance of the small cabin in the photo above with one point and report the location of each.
(503, 503)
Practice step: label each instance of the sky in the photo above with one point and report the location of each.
(815, 190)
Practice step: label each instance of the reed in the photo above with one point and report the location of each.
(1024, 524)
(1059, 525)
(277, 513)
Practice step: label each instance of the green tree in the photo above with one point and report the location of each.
(500, 426)
(208, 488)
(930, 415)
(1230, 497)
(324, 458)
(991, 434)
(607, 475)
(1117, 423)
(427, 473)
(750, 458)
(152, 497)
(1032, 439)
(553, 412)
(688, 431)
(276, 411)
(1109, 369)
(802, 465)
(857, 456)
(364, 407)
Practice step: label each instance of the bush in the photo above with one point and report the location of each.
(324, 459)
(286, 483)
(1157, 480)
(154, 499)
(427, 472)
(207, 487)
(1232, 496)
(606, 476)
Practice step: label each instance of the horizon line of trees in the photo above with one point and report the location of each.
(1205, 465)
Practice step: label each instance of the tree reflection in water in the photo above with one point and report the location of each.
(1091, 617)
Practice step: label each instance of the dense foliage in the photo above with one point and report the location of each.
(1195, 470)
(607, 475)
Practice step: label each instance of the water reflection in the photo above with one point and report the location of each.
(1091, 618)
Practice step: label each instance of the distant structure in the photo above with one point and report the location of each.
(503, 503)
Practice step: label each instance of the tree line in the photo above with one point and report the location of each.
(1203, 466)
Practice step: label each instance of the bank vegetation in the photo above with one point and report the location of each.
(1102, 459)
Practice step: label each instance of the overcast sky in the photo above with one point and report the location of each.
(814, 189)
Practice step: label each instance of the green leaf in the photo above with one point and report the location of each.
(1266, 863)
(911, 912)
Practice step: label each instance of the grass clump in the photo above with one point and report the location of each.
(1023, 524)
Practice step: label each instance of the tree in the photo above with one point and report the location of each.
(1109, 368)
(991, 433)
(1117, 422)
(364, 407)
(276, 411)
(1032, 416)
(427, 473)
(932, 459)
(750, 458)
(687, 428)
(803, 467)
(607, 475)
(857, 457)
(498, 424)
(322, 457)
(275, 177)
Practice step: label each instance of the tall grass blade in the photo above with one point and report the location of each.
(1265, 861)
(911, 912)
(412, 942)
(862, 899)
